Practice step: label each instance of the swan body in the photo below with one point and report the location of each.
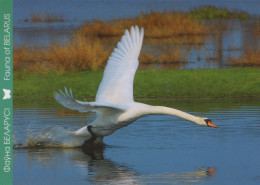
(114, 101)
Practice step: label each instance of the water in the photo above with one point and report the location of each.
(153, 150)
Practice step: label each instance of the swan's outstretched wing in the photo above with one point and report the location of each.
(67, 100)
(117, 84)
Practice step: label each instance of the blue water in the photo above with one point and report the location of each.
(154, 149)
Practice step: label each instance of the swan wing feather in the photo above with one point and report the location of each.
(67, 100)
(117, 84)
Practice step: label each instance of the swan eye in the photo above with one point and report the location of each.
(207, 121)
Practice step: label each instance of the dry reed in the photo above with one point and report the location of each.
(156, 24)
(76, 55)
(86, 51)
(170, 55)
(81, 54)
(37, 17)
(251, 58)
(148, 58)
(26, 59)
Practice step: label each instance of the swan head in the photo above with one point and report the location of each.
(206, 122)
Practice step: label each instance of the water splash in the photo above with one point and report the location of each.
(52, 136)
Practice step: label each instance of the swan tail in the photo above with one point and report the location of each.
(67, 99)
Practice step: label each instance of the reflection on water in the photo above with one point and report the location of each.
(155, 149)
(97, 171)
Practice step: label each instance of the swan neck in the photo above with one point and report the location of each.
(174, 112)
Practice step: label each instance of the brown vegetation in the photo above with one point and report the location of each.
(81, 54)
(87, 50)
(156, 24)
(76, 55)
(170, 55)
(251, 57)
(37, 17)
(26, 59)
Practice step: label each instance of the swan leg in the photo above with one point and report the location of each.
(90, 141)
(94, 146)
(93, 140)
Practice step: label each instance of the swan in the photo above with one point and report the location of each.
(114, 102)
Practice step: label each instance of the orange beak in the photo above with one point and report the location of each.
(211, 171)
(210, 124)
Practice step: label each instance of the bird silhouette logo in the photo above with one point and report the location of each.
(7, 94)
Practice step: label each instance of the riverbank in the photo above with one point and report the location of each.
(170, 37)
(207, 83)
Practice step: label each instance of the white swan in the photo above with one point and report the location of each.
(114, 103)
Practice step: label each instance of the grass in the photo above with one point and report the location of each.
(210, 83)
(47, 18)
(212, 12)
